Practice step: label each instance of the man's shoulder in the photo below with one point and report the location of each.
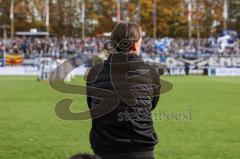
(95, 73)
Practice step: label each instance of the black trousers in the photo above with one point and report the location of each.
(130, 155)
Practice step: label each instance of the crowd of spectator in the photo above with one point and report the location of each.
(57, 47)
(53, 46)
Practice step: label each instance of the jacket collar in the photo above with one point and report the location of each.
(121, 58)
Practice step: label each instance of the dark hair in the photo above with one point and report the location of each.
(84, 156)
(125, 33)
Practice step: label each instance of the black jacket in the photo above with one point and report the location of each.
(129, 127)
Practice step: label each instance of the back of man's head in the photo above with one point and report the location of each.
(127, 36)
(126, 31)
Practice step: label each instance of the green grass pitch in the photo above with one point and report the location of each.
(29, 128)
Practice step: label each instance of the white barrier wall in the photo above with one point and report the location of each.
(224, 72)
(19, 70)
(212, 61)
(81, 70)
(32, 71)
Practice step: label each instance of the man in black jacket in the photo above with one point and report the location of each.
(123, 130)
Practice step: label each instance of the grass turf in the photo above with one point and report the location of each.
(29, 128)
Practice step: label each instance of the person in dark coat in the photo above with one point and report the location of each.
(124, 91)
(186, 69)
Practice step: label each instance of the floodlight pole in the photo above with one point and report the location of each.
(198, 28)
(154, 19)
(225, 13)
(190, 20)
(5, 45)
(47, 16)
(83, 19)
(118, 11)
(12, 28)
(12, 18)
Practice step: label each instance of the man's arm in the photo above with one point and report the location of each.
(156, 92)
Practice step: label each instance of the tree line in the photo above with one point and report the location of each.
(100, 16)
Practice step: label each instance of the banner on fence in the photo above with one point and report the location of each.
(12, 59)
